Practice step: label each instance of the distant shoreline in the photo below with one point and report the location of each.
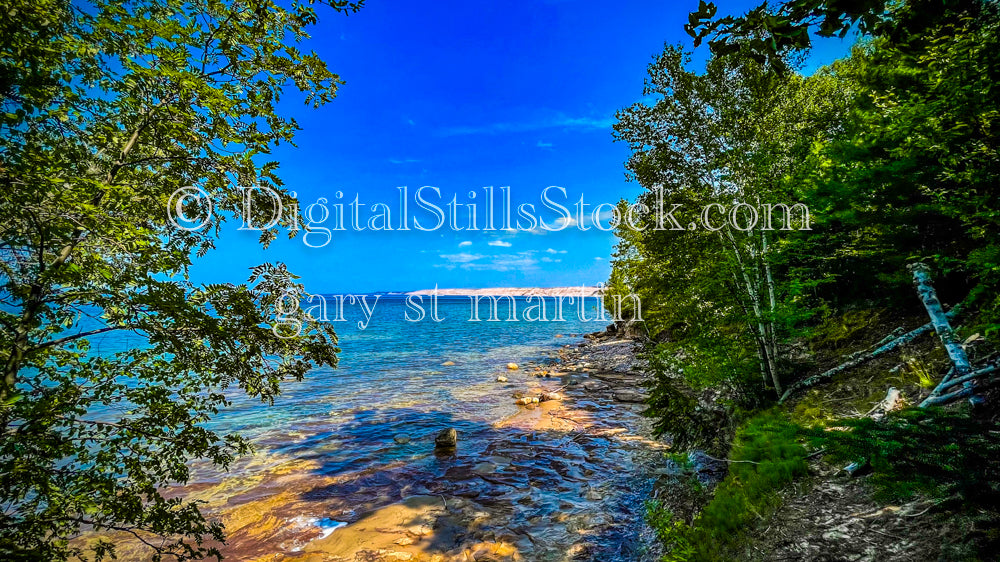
(513, 292)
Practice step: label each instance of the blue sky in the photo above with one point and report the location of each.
(461, 96)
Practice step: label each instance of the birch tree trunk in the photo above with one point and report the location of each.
(922, 281)
(772, 301)
(762, 332)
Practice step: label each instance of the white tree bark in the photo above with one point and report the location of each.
(922, 281)
(937, 396)
(764, 335)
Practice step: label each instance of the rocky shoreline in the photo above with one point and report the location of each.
(564, 479)
(573, 475)
(594, 391)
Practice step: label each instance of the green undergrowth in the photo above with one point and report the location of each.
(931, 451)
(766, 455)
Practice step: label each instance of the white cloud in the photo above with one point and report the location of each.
(500, 243)
(403, 161)
(566, 222)
(464, 243)
(553, 251)
(461, 257)
(598, 258)
(478, 262)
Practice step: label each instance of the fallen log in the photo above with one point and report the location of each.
(865, 357)
(922, 281)
(937, 397)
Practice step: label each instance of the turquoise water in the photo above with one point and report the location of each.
(390, 380)
(547, 492)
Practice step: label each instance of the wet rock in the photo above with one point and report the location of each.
(581, 551)
(629, 396)
(404, 541)
(401, 438)
(592, 386)
(447, 439)
(485, 468)
(447, 364)
(547, 396)
(512, 366)
(526, 400)
(501, 378)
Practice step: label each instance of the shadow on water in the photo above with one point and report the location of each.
(548, 492)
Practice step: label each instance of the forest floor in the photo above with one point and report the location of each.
(831, 515)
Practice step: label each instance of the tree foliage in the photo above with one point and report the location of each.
(892, 149)
(733, 135)
(107, 109)
(768, 32)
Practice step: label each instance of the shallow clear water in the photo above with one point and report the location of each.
(544, 490)
(391, 379)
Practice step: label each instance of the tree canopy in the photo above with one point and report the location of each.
(894, 152)
(108, 108)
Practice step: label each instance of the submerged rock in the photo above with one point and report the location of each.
(401, 438)
(447, 439)
(448, 364)
(629, 396)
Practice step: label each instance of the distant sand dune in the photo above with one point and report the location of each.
(516, 292)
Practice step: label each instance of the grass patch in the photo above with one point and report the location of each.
(765, 457)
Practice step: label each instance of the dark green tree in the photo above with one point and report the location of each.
(732, 135)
